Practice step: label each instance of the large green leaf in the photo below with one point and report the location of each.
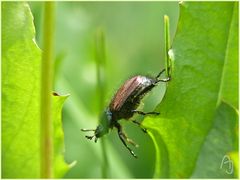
(21, 60)
(217, 146)
(20, 93)
(229, 89)
(187, 110)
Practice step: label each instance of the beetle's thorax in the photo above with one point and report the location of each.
(105, 123)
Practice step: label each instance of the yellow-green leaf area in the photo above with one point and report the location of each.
(20, 93)
(21, 63)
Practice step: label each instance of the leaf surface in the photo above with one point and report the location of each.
(229, 86)
(21, 60)
(187, 110)
(212, 160)
(20, 93)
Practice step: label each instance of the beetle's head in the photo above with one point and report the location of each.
(103, 127)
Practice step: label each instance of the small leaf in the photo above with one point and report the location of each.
(189, 105)
(60, 167)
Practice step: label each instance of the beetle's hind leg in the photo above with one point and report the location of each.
(122, 136)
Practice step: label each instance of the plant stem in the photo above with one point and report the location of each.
(46, 156)
(167, 46)
(100, 62)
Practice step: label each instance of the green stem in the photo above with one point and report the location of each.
(100, 62)
(167, 46)
(46, 156)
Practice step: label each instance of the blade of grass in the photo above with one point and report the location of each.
(167, 46)
(46, 162)
(100, 65)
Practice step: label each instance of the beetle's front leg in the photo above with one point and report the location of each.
(162, 80)
(130, 141)
(160, 74)
(122, 137)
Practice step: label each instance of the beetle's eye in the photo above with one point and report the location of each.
(109, 116)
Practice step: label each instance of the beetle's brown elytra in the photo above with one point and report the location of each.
(123, 106)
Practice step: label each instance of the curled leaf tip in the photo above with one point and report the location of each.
(55, 94)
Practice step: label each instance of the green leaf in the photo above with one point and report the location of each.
(235, 158)
(229, 90)
(189, 105)
(219, 142)
(21, 98)
(20, 93)
(60, 167)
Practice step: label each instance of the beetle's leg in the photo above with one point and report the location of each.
(163, 80)
(90, 137)
(143, 113)
(85, 130)
(160, 74)
(130, 141)
(121, 136)
(140, 125)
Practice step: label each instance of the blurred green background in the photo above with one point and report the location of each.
(134, 45)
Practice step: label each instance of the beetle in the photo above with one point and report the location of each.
(124, 105)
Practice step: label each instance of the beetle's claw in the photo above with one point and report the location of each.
(134, 155)
(86, 130)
